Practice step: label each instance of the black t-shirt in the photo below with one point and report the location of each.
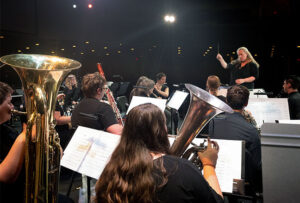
(235, 127)
(92, 113)
(163, 88)
(236, 72)
(13, 192)
(294, 105)
(185, 183)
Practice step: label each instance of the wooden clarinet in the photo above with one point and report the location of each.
(110, 98)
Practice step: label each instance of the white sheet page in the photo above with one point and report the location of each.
(177, 99)
(99, 154)
(89, 151)
(137, 100)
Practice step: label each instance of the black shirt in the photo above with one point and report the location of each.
(96, 114)
(185, 183)
(163, 88)
(236, 72)
(10, 192)
(294, 105)
(235, 127)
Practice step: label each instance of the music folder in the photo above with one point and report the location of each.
(177, 99)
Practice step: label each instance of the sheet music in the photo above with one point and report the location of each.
(89, 151)
(137, 100)
(177, 99)
(268, 110)
(229, 164)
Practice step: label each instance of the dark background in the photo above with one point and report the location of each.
(130, 37)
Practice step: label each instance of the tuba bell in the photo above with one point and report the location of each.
(41, 77)
(203, 107)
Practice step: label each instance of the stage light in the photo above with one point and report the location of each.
(87, 42)
(37, 44)
(1, 37)
(93, 50)
(90, 5)
(74, 6)
(169, 18)
(27, 48)
(81, 53)
(62, 49)
(74, 46)
(19, 51)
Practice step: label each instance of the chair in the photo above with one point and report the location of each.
(122, 103)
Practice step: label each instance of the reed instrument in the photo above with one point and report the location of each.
(203, 107)
(41, 77)
(111, 100)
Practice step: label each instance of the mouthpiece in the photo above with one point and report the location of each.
(16, 112)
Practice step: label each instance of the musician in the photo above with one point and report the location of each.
(243, 70)
(141, 170)
(91, 112)
(63, 124)
(12, 151)
(213, 84)
(290, 86)
(160, 88)
(71, 91)
(144, 88)
(236, 127)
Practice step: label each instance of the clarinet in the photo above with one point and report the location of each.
(111, 99)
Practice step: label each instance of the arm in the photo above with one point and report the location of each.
(222, 61)
(13, 162)
(244, 80)
(163, 93)
(115, 129)
(209, 160)
(61, 120)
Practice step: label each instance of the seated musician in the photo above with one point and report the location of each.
(141, 169)
(213, 84)
(63, 124)
(12, 151)
(91, 112)
(71, 91)
(144, 88)
(160, 88)
(291, 87)
(236, 127)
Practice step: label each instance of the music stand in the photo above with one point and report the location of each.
(175, 102)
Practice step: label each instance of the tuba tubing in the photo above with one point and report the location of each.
(41, 77)
(203, 107)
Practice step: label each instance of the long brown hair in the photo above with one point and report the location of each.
(128, 176)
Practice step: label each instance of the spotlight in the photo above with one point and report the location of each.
(169, 18)
(74, 6)
(90, 5)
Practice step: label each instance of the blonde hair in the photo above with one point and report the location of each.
(68, 81)
(249, 57)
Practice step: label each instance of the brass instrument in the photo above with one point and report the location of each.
(20, 113)
(111, 100)
(41, 77)
(203, 107)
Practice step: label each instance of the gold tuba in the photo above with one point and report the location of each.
(41, 77)
(203, 107)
